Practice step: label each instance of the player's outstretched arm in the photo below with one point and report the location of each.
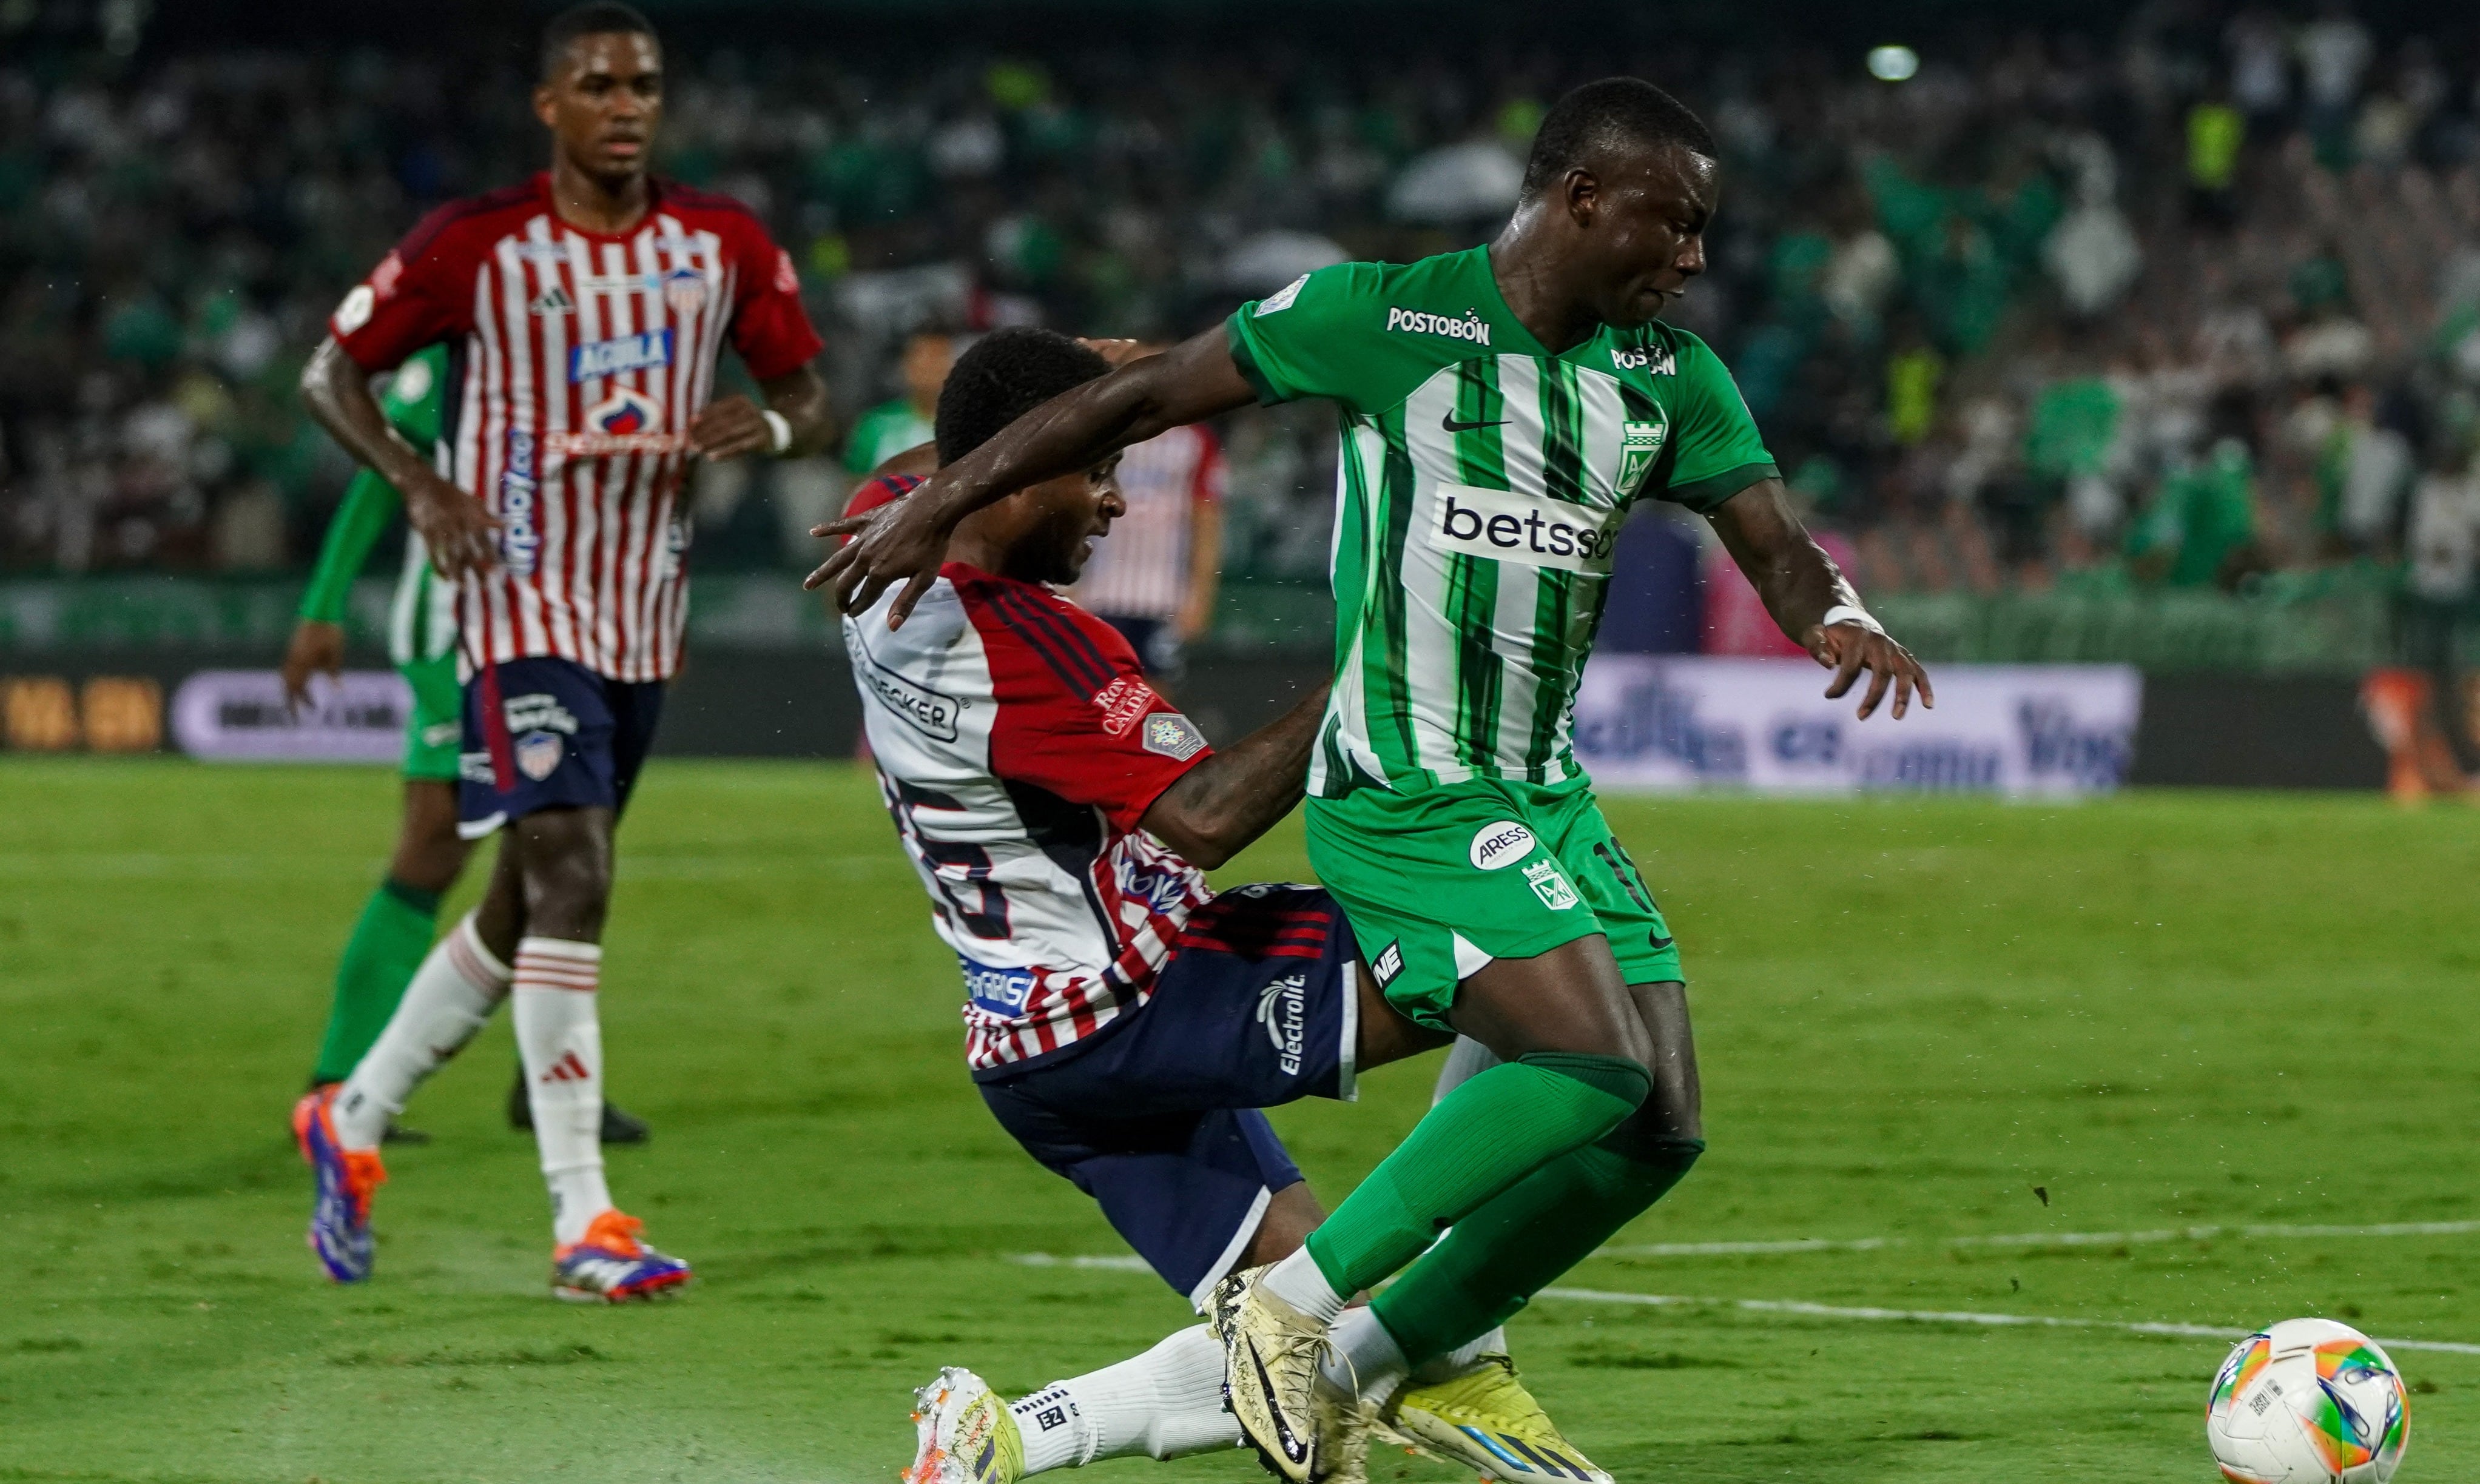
(1218, 807)
(1802, 588)
(904, 542)
(454, 524)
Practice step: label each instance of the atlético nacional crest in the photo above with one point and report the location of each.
(1640, 445)
(538, 754)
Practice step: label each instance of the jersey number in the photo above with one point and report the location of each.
(988, 917)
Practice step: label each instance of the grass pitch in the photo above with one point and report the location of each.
(2161, 1013)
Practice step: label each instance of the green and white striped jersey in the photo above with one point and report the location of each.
(1482, 481)
(422, 617)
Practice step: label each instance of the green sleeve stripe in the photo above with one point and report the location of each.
(1704, 496)
(369, 504)
(1241, 357)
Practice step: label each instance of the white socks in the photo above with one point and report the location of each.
(1162, 1404)
(561, 1041)
(451, 996)
(1431, 1371)
(1363, 1357)
(1297, 1281)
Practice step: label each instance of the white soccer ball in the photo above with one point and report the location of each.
(2307, 1402)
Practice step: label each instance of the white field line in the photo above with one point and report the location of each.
(90, 865)
(1954, 1317)
(1124, 1262)
(2271, 1231)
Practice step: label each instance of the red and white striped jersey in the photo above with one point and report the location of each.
(577, 362)
(1018, 748)
(1140, 569)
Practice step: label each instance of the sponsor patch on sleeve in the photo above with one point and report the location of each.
(1171, 735)
(1281, 299)
(1388, 963)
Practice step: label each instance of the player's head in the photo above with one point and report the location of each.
(1626, 175)
(601, 91)
(1046, 532)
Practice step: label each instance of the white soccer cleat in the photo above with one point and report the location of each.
(1271, 1374)
(967, 1436)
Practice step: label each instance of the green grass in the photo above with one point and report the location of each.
(2163, 1010)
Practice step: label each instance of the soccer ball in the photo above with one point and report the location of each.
(2307, 1402)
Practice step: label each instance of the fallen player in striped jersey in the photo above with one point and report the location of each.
(1125, 1021)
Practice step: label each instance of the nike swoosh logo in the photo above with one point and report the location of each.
(1450, 424)
(1292, 1448)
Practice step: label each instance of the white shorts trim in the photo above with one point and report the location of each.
(1203, 1293)
(1347, 1075)
(476, 829)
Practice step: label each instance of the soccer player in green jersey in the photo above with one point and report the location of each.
(1501, 409)
(394, 931)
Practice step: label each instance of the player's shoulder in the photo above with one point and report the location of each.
(880, 489)
(1083, 652)
(728, 217)
(470, 218)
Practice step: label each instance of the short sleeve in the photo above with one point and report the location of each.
(1075, 717)
(1714, 448)
(770, 326)
(421, 294)
(1321, 335)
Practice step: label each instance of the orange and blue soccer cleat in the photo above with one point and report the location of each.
(610, 1265)
(340, 1216)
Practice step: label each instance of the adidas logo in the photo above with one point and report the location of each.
(568, 1068)
(553, 300)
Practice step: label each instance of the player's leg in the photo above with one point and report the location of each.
(450, 998)
(395, 928)
(568, 753)
(1458, 1296)
(1483, 933)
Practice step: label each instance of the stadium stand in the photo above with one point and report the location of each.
(2190, 305)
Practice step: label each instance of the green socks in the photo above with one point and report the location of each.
(1483, 1138)
(387, 945)
(1519, 1243)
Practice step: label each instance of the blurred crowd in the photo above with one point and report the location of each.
(2194, 300)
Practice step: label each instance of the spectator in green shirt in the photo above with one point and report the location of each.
(2200, 529)
(890, 427)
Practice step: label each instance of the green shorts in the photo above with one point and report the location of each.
(435, 734)
(1438, 883)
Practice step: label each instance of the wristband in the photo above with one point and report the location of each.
(1844, 613)
(779, 430)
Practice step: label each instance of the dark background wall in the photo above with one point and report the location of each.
(2198, 730)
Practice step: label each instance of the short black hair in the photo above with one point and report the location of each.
(1614, 111)
(1006, 374)
(595, 17)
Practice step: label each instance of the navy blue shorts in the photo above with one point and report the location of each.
(1158, 1118)
(557, 736)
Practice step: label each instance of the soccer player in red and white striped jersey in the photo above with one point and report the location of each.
(584, 312)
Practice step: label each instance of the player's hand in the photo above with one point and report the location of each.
(902, 541)
(1847, 648)
(729, 428)
(317, 648)
(463, 536)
